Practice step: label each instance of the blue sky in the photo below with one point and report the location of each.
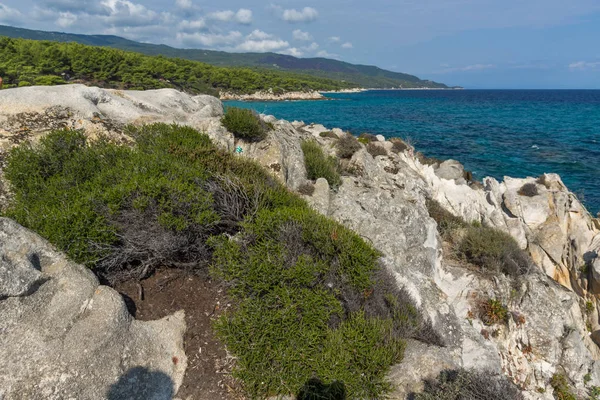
(472, 43)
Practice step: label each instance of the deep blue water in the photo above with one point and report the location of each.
(495, 133)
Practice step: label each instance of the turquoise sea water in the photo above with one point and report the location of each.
(495, 133)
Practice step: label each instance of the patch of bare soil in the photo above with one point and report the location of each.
(208, 375)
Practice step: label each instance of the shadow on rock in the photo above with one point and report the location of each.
(140, 383)
(314, 389)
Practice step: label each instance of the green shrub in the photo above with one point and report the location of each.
(366, 138)
(494, 250)
(319, 165)
(245, 124)
(49, 80)
(468, 385)
(309, 297)
(446, 221)
(328, 134)
(562, 388)
(316, 306)
(493, 312)
(347, 146)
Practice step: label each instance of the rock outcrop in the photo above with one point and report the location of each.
(63, 335)
(384, 200)
(269, 95)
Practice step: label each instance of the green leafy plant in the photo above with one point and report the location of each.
(245, 124)
(319, 165)
(562, 388)
(309, 297)
(493, 312)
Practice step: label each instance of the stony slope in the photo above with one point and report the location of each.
(385, 201)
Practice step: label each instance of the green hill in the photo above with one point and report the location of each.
(26, 62)
(356, 75)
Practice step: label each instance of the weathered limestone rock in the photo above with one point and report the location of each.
(451, 170)
(62, 335)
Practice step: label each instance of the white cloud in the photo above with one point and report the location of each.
(223, 16)
(584, 65)
(301, 35)
(66, 19)
(261, 46)
(192, 26)
(126, 13)
(210, 39)
(313, 47)
(244, 16)
(307, 14)
(467, 68)
(335, 39)
(184, 4)
(258, 35)
(347, 45)
(8, 14)
(326, 54)
(292, 51)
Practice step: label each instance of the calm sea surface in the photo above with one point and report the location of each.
(495, 133)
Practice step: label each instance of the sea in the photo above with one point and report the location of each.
(517, 133)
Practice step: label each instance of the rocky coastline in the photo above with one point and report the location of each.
(552, 326)
(272, 96)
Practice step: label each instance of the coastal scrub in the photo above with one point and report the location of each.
(309, 298)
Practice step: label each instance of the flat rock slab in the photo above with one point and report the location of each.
(65, 336)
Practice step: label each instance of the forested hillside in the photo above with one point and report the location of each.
(367, 76)
(29, 62)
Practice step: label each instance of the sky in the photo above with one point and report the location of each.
(472, 43)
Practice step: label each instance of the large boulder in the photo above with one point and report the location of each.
(63, 335)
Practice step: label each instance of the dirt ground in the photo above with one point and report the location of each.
(167, 291)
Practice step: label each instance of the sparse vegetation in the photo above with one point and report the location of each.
(493, 312)
(245, 124)
(328, 134)
(562, 388)
(307, 189)
(467, 385)
(399, 145)
(447, 222)
(529, 190)
(375, 150)
(366, 138)
(347, 146)
(494, 251)
(309, 297)
(319, 165)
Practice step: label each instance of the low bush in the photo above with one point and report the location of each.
(446, 221)
(376, 150)
(307, 189)
(328, 134)
(319, 165)
(562, 388)
(468, 385)
(493, 250)
(347, 146)
(493, 312)
(366, 138)
(428, 160)
(399, 145)
(309, 297)
(529, 190)
(245, 124)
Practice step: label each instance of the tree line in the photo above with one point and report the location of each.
(31, 62)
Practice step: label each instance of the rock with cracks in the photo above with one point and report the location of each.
(65, 336)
